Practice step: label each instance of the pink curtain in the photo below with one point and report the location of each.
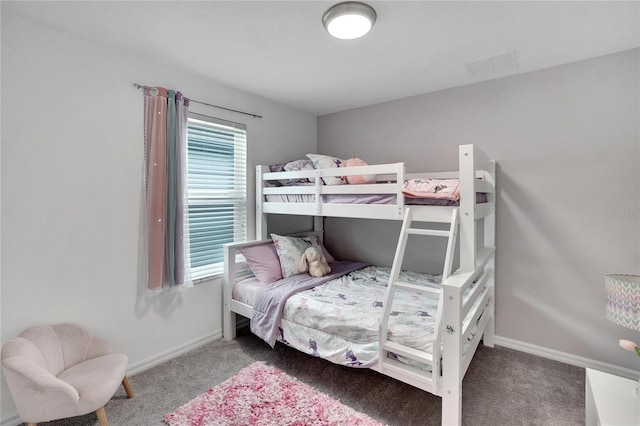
(166, 217)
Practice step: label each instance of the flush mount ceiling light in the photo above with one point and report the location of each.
(349, 20)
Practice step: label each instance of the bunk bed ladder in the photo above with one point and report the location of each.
(386, 346)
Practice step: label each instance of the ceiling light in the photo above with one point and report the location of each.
(349, 20)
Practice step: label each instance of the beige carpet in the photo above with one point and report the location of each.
(502, 387)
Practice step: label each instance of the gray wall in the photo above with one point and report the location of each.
(567, 145)
(72, 154)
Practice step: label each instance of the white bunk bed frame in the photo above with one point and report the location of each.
(466, 308)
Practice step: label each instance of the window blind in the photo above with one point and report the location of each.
(217, 192)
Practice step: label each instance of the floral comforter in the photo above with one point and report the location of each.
(339, 320)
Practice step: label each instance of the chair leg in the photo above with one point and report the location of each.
(127, 388)
(102, 416)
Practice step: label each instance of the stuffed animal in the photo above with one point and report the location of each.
(314, 262)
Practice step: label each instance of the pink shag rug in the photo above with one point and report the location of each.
(263, 395)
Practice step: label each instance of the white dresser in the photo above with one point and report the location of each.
(610, 400)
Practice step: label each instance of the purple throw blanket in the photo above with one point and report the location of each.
(265, 322)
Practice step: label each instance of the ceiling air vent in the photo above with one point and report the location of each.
(493, 64)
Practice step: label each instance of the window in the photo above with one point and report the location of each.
(217, 191)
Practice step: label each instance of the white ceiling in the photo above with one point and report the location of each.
(280, 50)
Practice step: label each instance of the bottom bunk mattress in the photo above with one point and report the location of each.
(339, 320)
(367, 199)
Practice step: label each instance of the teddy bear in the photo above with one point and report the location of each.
(314, 262)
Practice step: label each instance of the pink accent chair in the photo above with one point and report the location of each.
(61, 371)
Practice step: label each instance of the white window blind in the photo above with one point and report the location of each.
(217, 191)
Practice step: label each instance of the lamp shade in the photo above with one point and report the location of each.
(623, 300)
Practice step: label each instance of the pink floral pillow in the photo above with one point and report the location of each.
(327, 162)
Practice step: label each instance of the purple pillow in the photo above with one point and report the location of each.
(264, 262)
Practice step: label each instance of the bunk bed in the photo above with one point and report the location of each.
(462, 299)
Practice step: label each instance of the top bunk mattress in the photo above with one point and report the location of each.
(368, 199)
(333, 188)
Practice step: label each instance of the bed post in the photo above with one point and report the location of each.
(467, 208)
(228, 317)
(261, 219)
(452, 372)
(490, 241)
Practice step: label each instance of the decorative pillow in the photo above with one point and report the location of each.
(276, 168)
(448, 189)
(290, 250)
(325, 252)
(297, 165)
(357, 179)
(327, 162)
(263, 262)
(284, 167)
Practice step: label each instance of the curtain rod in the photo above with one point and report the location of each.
(140, 86)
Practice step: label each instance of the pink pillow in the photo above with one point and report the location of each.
(264, 262)
(357, 179)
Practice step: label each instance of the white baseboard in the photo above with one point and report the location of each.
(565, 357)
(159, 358)
(13, 419)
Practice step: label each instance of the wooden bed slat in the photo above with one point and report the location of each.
(402, 350)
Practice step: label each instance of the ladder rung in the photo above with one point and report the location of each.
(415, 287)
(408, 352)
(430, 232)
